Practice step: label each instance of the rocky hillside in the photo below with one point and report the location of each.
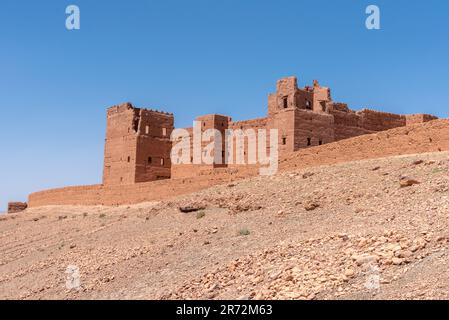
(371, 229)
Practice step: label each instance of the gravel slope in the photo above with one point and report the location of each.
(357, 230)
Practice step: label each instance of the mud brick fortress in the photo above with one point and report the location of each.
(137, 164)
(138, 140)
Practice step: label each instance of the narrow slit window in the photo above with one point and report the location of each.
(164, 131)
(147, 129)
(285, 102)
(309, 141)
(284, 141)
(150, 160)
(308, 106)
(162, 161)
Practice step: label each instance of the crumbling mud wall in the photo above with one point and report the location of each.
(14, 207)
(419, 118)
(135, 193)
(418, 138)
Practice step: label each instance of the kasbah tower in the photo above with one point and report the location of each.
(138, 145)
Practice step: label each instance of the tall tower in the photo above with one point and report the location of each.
(137, 145)
(300, 115)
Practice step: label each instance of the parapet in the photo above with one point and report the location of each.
(129, 106)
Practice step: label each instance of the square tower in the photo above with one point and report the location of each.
(300, 115)
(215, 122)
(137, 145)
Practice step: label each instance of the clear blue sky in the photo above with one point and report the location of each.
(191, 58)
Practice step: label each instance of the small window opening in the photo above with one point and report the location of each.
(150, 160)
(147, 129)
(309, 141)
(164, 131)
(308, 106)
(284, 141)
(129, 159)
(285, 102)
(162, 161)
(323, 106)
(320, 142)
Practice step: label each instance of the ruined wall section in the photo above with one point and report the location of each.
(220, 123)
(379, 121)
(244, 148)
(312, 129)
(321, 96)
(284, 122)
(120, 145)
(349, 123)
(419, 118)
(207, 122)
(154, 146)
(137, 145)
(286, 96)
(15, 207)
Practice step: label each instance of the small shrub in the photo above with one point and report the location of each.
(244, 232)
(85, 214)
(102, 215)
(200, 214)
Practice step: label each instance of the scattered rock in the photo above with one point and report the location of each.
(307, 175)
(349, 273)
(407, 182)
(311, 205)
(365, 259)
(192, 208)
